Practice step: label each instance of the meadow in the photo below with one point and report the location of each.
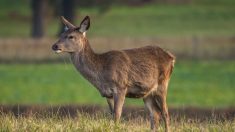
(200, 33)
(60, 83)
(100, 122)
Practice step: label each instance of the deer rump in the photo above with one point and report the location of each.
(139, 70)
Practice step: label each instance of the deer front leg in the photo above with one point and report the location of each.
(111, 104)
(119, 99)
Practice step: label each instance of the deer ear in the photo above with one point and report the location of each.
(67, 23)
(85, 24)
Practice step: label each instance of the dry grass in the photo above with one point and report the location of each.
(40, 50)
(101, 122)
(83, 122)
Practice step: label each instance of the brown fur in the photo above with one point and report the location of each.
(136, 73)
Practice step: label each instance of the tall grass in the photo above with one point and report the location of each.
(101, 122)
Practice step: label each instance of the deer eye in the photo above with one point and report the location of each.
(70, 37)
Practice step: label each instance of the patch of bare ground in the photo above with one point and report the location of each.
(129, 112)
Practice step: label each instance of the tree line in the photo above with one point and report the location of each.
(66, 8)
(38, 10)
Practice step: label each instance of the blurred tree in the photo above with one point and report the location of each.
(37, 18)
(102, 5)
(67, 10)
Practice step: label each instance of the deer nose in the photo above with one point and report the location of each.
(54, 47)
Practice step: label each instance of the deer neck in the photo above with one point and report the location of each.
(86, 62)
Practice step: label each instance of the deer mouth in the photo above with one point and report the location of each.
(58, 51)
(56, 48)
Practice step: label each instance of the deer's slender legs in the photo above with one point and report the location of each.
(160, 99)
(119, 99)
(166, 116)
(153, 112)
(111, 104)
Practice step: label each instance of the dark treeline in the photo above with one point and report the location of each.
(90, 3)
(66, 8)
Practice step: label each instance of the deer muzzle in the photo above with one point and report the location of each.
(56, 48)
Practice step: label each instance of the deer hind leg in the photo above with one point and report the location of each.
(111, 104)
(161, 104)
(153, 112)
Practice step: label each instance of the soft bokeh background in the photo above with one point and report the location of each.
(201, 33)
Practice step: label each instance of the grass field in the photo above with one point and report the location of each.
(102, 122)
(193, 83)
(32, 87)
(201, 18)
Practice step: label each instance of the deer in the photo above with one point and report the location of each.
(142, 72)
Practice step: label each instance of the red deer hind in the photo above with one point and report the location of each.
(135, 73)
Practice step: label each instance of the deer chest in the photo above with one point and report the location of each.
(105, 89)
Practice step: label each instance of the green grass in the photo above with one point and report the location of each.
(101, 122)
(162, 20)
(203, 83)
(201, 18)
(193, 83)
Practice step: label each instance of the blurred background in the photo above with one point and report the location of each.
(201, 33)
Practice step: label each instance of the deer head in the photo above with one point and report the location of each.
(72, 40)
